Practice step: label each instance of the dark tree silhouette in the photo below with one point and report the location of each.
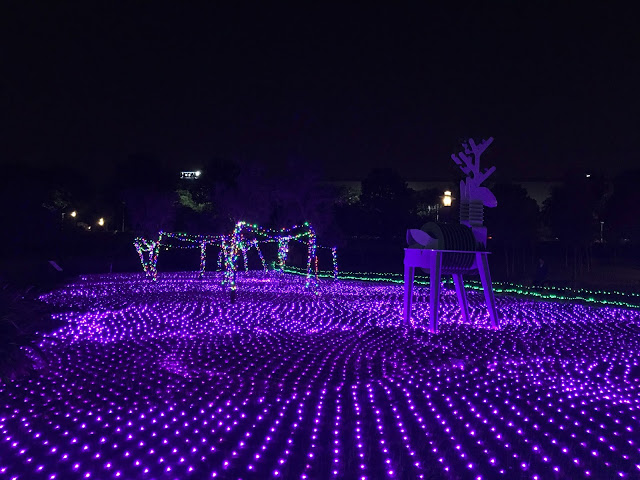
(387, 203)
(621, 212)
(145, 188)
(150, 210)
(244, 193)
(513, 224)
(27, 223)
(427, 204)
(143, 170)
(301, 195)
(203, 206)
(572, 212)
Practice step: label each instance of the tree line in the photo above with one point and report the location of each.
(144, 196)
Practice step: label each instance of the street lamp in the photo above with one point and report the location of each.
(72, 214)
(446, 199)
(101, 222)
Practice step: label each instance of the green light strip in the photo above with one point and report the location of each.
(543, 293)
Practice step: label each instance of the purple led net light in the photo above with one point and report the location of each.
(167, 380)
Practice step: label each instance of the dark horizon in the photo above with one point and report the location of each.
(346, 89)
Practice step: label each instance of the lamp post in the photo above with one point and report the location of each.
(73, 214)
(447, 198)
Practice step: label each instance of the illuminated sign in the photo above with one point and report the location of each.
(191, 175)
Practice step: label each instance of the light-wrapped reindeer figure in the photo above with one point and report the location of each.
(455, 249)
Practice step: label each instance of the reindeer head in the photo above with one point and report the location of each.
(470, 189)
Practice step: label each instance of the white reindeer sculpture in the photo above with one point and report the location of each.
(456, 249)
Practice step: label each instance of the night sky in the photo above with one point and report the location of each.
(347, 88)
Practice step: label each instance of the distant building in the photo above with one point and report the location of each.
(538, 190)
(190, 175)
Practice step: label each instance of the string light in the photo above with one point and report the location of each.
(230, 249)
(283, 250)
(239, 241)
(203, 257)
(148, 251)
(312, 280)
(256, 245)
(243, 247)
(550, 293)
(220, 258)
(165, 379)
(143, 248)
(334, 258)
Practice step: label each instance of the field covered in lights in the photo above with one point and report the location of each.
(169, 380)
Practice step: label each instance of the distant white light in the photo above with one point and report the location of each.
(588, 175)
(190, 175)
(446, 200)
(101, 222)
(74, 214)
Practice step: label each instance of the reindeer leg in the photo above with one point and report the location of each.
(485, 277)
(462, 296)
(434, 287)
(408, 293)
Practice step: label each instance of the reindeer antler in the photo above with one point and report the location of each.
(471, 167)
(465, 163)
(469, 162)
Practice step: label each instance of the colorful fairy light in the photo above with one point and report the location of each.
(171, 240)
(148, 251)
(143, 248)
(334, 258)
(245, 260)
(256, 245)
(283, 236)
(203, 257)
(242, 239)
(220, 257)
(312, 279)
(230, 249)
(283, 250)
